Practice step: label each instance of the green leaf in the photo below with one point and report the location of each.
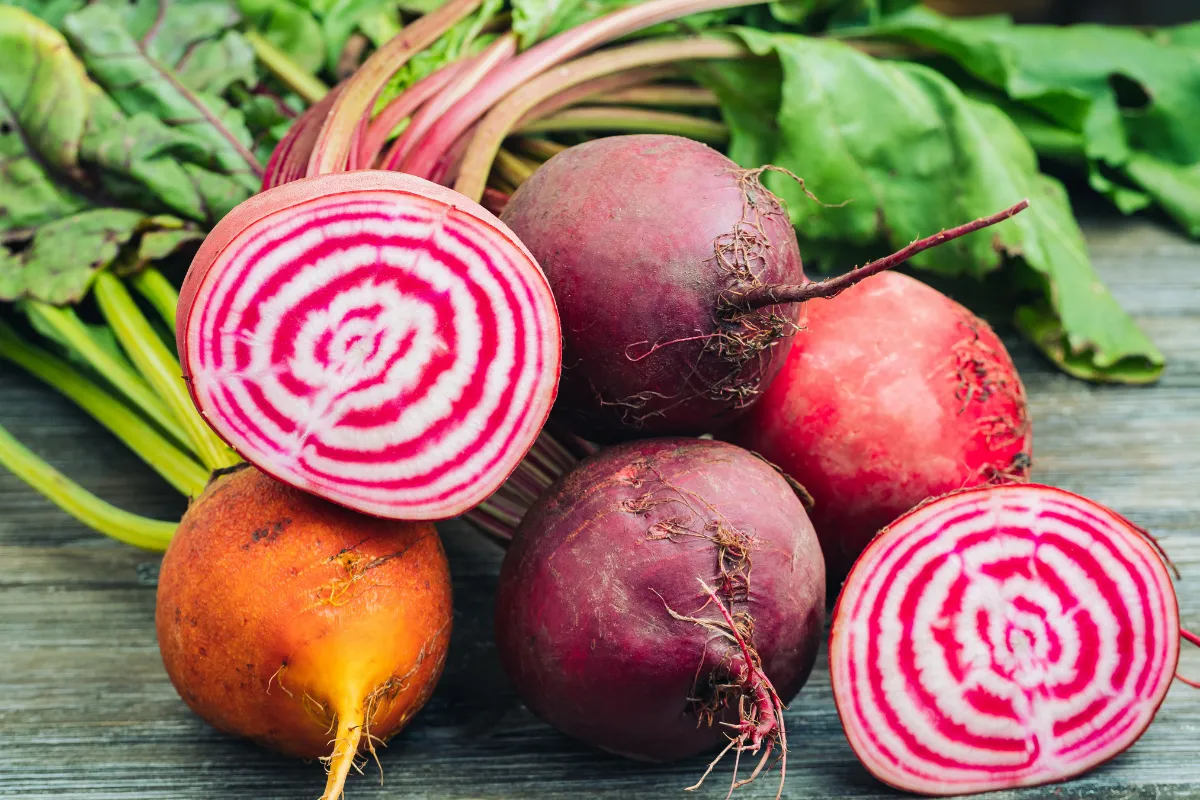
(42, 87)
(65, 255)
(911, 155)
(1132, 97)
(143, 163)
(49, 11)
(212, 66)
(341, 18)
(140, 83)
(290, 27)
(266, 119)
(842, 12)
(1175, 188)
(42, 115)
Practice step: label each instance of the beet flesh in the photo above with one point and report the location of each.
(641, 237)
(892, 393)
(601, 565)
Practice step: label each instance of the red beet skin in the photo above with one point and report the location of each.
(582, 618)
(892, 393)
(640, 237)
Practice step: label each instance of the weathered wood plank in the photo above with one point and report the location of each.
(86, 710)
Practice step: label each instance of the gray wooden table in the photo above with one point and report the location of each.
(86, 710)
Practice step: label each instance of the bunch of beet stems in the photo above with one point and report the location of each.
(456, 120)
(136, 392)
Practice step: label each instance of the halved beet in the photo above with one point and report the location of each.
(373, 338)
(1002, 637)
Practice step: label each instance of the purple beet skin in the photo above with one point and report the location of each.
(603, 618)
(646, 240)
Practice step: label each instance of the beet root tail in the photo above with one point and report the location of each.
(762, 296)
(761, 712)
(345, 750)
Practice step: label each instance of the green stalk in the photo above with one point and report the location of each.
(159, 366)
(668, 95)
(71, 331)
(631, 120)
(149, 534)
(174, 465)
(512, 168)
(539, 149)
(158, 291)
(290, 74)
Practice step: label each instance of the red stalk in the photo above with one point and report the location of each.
(543, 56)
(465, 80)
(332, 150)
(591, 89)
(403, 107)
(501, 120)
(798, 293)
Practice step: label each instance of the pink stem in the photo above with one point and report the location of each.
(499, 122)
(290, 156)
(495, 200)
(541, 57)
(403, 107)
(801, 292)
(588, 89)
(485, 63)
(331, 153)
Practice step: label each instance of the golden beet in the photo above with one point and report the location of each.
(309, 628)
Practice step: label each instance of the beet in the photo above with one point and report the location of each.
(668, 263)
(1002, 637)
(304, 626)
(892, 393)
(372, 338)
(612, 616)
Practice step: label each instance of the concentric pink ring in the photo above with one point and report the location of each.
(373, 338)
(1001, 637)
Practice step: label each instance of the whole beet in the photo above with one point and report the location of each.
(640, 237)
(616, 595)
(893, 393)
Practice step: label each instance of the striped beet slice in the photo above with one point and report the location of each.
(373, 338)
(1002, 637)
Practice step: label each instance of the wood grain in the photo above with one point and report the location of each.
(86, 710)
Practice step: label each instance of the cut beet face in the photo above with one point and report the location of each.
(1002, 637)
(372, 338)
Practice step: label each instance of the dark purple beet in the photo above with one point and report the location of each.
(607, 561)
(640, 236)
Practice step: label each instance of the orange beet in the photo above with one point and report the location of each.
(306, 627)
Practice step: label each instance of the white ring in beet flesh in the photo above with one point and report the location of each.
(373, 338)
(1001, 637)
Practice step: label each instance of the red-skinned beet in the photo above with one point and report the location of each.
(617, 592)
(892, 393)
(678, 279)
(640, 296)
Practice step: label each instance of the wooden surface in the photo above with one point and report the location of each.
(86, 710)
